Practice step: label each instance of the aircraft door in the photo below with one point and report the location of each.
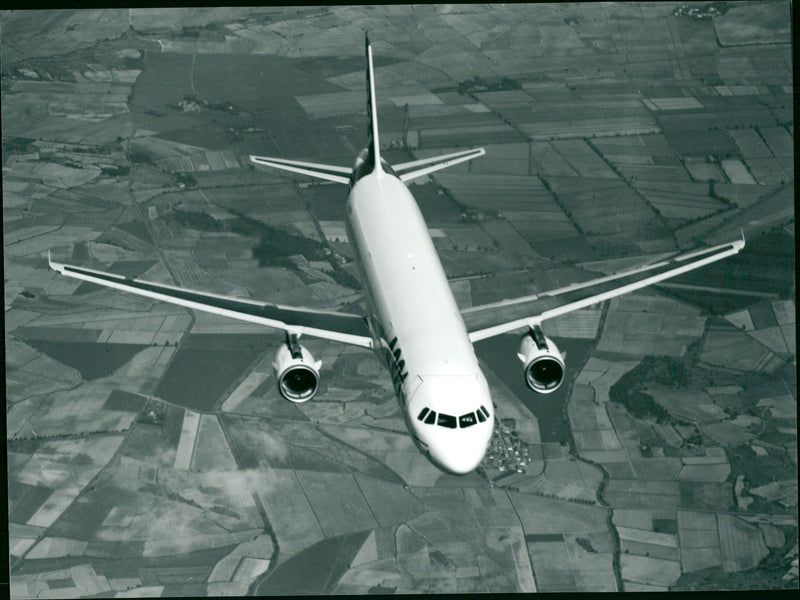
(413, 387)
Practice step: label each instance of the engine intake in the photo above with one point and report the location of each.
(544, 365)
(296, 371)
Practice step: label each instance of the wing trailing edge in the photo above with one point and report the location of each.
(341, 327)
(509, 315)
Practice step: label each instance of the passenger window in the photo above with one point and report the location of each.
(422, 413)
(466, 420)
(481, 418)
(431, 418)
(448, 421)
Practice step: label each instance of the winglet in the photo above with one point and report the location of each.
(739, 244)
(372, 111)
(55, 266)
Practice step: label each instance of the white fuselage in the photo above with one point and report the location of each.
(419, 330)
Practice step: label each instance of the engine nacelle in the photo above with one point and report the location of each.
(296, 372)
(544, 365)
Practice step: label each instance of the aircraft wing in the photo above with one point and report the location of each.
(507, 315)
(340, 327)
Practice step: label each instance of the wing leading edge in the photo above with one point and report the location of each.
(494, 319)
(340, 327)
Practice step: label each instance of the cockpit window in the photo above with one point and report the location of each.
(448, 421)
(428, 416)
(466, 420)
(485, 412)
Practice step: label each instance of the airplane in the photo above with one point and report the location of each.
(413, 322)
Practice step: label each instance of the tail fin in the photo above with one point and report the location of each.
(372, 112)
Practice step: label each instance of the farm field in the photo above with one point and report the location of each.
(206, 366)
(149, 451)
(589, 202)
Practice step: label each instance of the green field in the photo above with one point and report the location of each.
(155, 442)
(206, 366)
(119, 400)
(25, 500)
(437, 208)
(326, 202)
(164, 81)
(82, 520)
(315, 570)
(254, 82)
(762, 24)
(706, 495)
(337, 502)
(211, 449)
(92, 360)
(389, 502)
(690, 143)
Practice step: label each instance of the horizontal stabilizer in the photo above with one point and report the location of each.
(328, 172)
(435, 163)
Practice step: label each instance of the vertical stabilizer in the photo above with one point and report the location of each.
(372, 112)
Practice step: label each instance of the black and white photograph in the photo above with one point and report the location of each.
(399, 299)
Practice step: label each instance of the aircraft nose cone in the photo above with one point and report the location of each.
(464, 464)
(461, 459)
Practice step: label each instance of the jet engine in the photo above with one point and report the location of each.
(544, 364)
(296, 371)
